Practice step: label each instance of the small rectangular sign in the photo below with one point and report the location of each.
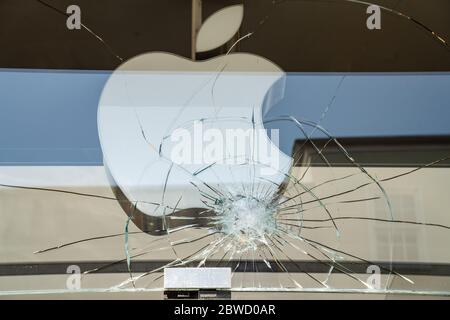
(197, 278)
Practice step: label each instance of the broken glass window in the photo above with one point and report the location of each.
(192, 153)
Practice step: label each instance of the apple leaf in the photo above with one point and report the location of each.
(219, 28)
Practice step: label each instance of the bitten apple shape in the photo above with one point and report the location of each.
(151, 96)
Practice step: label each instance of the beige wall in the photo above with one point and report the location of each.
(33, 220)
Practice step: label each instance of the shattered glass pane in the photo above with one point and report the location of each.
(228, 161)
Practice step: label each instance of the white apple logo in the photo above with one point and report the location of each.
(153, 94)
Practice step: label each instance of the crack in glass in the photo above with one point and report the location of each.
(253, 224)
